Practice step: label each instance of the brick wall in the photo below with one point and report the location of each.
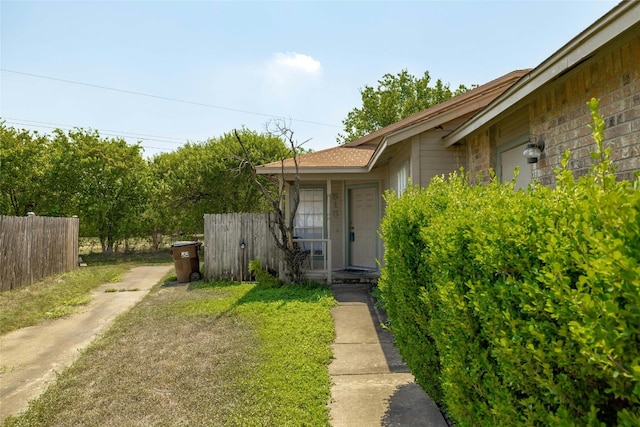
(559, 115)
(481, 155)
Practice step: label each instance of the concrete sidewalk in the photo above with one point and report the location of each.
(31, 357)
(371, 384)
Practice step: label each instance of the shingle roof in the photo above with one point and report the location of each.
(336, 157)
(494, 87)
(358, 153)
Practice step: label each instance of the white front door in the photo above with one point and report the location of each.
(363, 226)
(511, 158)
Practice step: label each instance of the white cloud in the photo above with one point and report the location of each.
(296, 61)
(290, 72)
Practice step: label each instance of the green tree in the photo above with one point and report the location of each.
(23, 171)
(208, 177)
(103, 181)
(111, 182)
(396, 97)
(159, 217)
(61, 194)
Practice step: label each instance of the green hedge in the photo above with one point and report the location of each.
(520, 308)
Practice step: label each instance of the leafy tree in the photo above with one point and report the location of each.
(23, 171)
(207, 177)
(103, 181)
(158, 218)
(61, 194)
(396, 97)
(111, 182)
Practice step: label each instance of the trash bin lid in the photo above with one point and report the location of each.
(177, 244)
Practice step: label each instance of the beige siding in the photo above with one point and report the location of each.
(384, 185)
(513, 127)
(436, 160)
(402, 156)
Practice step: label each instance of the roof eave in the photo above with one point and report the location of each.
(376, 155)
(311, 170)
(438, 120)
(457, 110)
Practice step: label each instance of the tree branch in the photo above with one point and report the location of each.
(293, 256)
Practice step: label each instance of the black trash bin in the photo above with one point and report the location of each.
(186, 258)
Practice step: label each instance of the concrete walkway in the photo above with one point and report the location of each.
(31, 357)
(372, 385)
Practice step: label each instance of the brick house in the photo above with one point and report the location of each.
(341, 199)
(549, 105)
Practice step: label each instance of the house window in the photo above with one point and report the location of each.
(309, 220)
(403, 178)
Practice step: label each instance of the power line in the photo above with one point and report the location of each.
(20, 123)
(124, 134)
(165, 98)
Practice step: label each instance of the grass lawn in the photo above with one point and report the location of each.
(62, 294)
(206, 354)
(53, 297)
(129, 258)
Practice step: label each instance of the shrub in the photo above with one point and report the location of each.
(520, 308)
(263, 277)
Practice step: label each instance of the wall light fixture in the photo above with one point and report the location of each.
(533, 151)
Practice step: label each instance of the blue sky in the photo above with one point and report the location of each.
(214, 66)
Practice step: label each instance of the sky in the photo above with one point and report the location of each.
(165, 73)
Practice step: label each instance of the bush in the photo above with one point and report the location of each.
(520, 308)
(263, 277)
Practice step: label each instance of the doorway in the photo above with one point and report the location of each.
(363, 226)
(509, 157)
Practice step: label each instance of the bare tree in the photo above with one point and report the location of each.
(283, 225)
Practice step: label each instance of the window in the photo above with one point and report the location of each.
(403, 178)
(309, 220)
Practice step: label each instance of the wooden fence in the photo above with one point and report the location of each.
(34, 247)
(225, 256)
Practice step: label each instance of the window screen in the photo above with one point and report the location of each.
(309, 221)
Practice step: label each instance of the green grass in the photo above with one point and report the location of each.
(138, 258)
(53, 297)
(296, 330)
(60, 295)
(209, 354)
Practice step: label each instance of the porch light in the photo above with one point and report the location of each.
(533, 151)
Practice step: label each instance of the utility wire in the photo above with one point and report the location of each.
(124, 134)
(19, 123)
(166, 98)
